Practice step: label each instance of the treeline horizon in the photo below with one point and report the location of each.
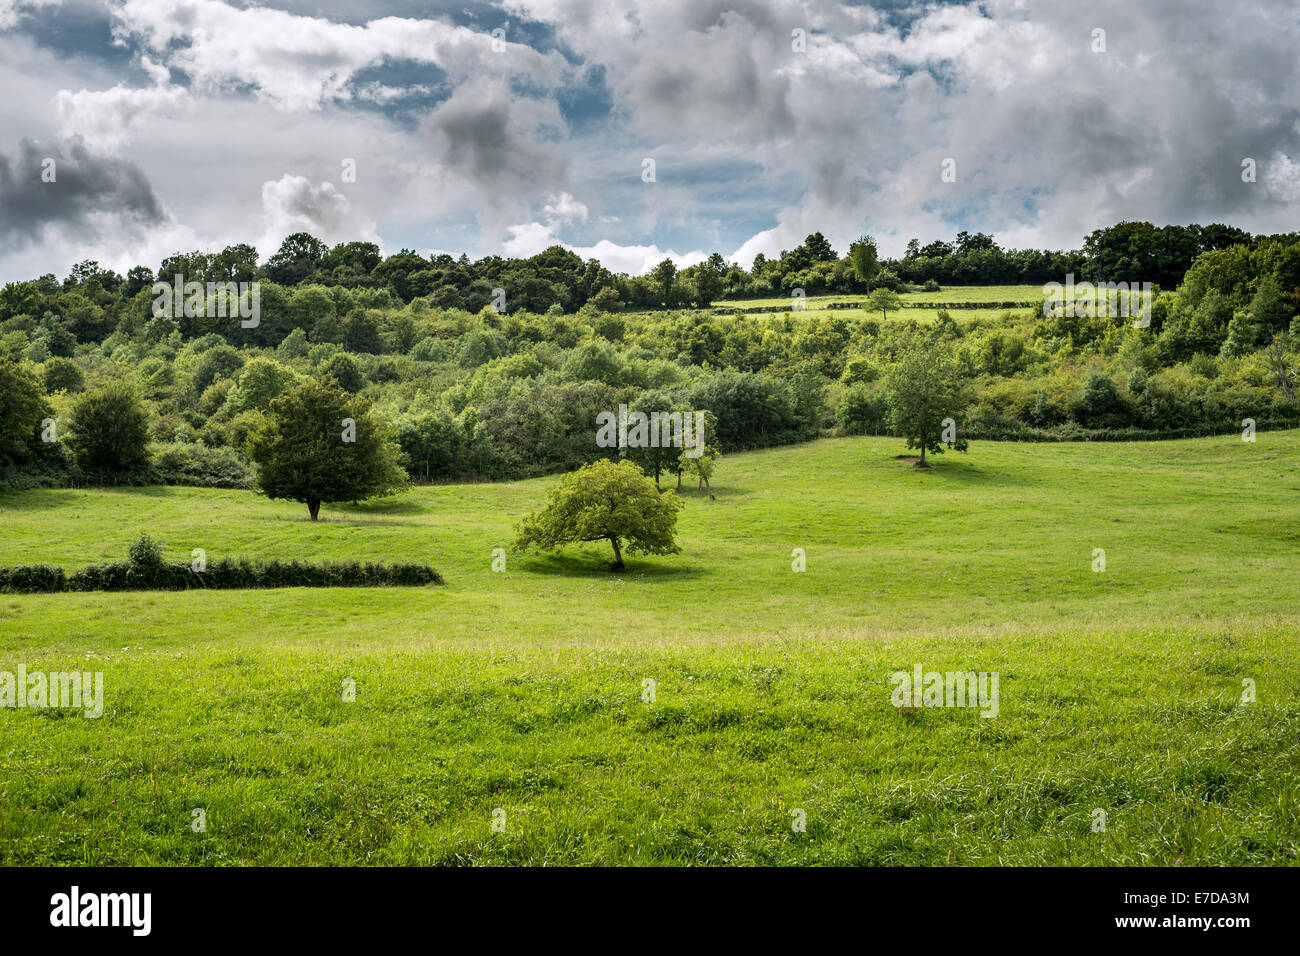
(557, 279)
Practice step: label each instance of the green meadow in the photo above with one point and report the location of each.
(920, 306)
(690, 710)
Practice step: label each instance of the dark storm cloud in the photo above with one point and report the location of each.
(85, 188)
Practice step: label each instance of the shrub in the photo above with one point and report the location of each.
(146, 552)
(860, 412)
(428, 349)
(199, 465)
(241, 573)
(32, 579)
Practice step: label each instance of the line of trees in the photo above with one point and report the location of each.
(325, 291)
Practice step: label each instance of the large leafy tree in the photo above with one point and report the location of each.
(925, 386)
(296, 259)
(605, 501)
(319, 444)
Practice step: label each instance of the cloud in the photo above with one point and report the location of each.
(294, 204)
(89, 195)
(495, 151)
(10, 10)
(528, 239)
(758, 141)
(303, 63)
(108, 118)
(563, 208)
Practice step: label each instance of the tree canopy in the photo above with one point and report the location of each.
(610, 501)
(318, 444)
(924, 387)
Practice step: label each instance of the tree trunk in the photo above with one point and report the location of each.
(679, 480)
(921, 463)
(709, 487)
(618, 555)
(313, 508)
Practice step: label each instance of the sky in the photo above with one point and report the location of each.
(504, 128)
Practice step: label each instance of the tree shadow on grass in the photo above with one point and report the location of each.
(590, 564)
(403, 505)
(45, 499)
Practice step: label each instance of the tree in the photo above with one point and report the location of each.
(1268, 309)
(318, 444)
(819, 248)
(297, 258)
(63, 373)
(343, 368)
(1277, 358)
(109, 429)
(606, 300)
(923, 388)
(260, 381)
(702, 468)
(863, 256)
(605, 501)
(1243, 334)
(883, 301)
(22, 408)
(664, 279)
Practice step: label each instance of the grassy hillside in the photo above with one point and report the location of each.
(522, 690)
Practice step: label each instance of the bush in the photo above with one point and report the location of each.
(32, 579)
(146, 552)
(147, 571)
(860, 412)
(428, 349)
(201, 466)
(240, 573)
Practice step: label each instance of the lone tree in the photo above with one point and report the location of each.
(883, 301)
(605, 501)
(923, 388)
(701, 468)
(319, 444)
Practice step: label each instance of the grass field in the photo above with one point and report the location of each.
(956, 293)
(522, 691)
(921, 307)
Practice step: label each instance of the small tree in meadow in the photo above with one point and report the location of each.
(701, 468)
(925, 386)
(605, 501)
(884, 301)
